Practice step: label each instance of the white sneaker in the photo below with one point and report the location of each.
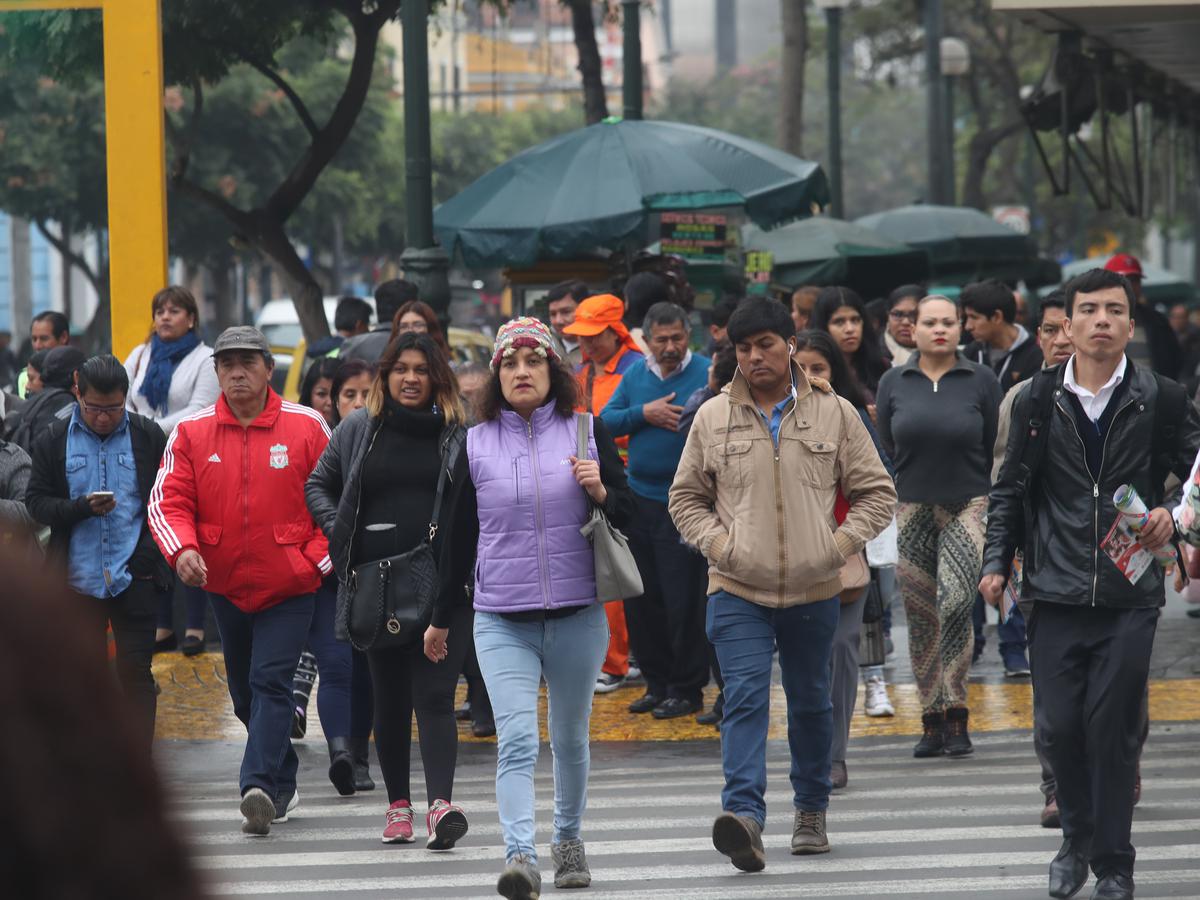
(293, 803)
(607, 683)
(635, 673)
(878, 703)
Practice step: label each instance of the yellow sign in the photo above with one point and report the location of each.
(137, 187)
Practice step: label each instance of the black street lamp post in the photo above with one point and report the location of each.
(424, 263)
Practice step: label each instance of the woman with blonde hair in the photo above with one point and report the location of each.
(373, 494)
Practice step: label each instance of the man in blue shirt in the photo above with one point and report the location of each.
(666, 623)
(90, 482)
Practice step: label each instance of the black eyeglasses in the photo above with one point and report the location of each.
(102, 410)
(901, 316)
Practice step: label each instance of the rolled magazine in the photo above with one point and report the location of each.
(1133, 509)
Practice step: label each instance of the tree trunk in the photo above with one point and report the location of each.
(595, 103)
(224, 311)
(794, 21)
(302, 285)
(979, 154)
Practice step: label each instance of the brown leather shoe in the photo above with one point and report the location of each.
(739, 838)
(838, 775)
(808, 833)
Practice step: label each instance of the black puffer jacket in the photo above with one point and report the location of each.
(1071, 513)
(333, 496)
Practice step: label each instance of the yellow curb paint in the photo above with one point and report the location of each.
(194, 705)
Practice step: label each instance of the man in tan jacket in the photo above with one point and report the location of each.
(755, 492)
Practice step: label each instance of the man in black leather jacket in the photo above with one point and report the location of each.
(1092, 630)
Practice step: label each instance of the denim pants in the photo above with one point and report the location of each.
(344, 700)
(261, 650)
(514, 657)
(746, 635)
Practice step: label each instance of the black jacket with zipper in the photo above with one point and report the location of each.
(1070, 512)
(333, 496)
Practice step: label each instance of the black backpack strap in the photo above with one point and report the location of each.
(1037, 432)
(1170, 408)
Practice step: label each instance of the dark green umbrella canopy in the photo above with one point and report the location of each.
(824, 251)
(964, 244)
(598, 186)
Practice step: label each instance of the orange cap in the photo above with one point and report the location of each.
(595, 314)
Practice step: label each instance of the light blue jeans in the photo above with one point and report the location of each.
(514, 657)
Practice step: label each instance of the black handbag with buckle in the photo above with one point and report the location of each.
(391, 600)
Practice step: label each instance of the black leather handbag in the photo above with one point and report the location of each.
(391, 600)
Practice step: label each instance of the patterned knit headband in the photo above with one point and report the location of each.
(524, 332)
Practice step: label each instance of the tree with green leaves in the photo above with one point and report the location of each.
(52, 160)
(202, 41)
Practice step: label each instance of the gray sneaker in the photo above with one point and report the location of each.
(808, 833)
(258, 810)
(570, 864)
(520, 880)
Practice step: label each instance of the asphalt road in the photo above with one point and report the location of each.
(923, 828)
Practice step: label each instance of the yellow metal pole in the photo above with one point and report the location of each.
(137, 187)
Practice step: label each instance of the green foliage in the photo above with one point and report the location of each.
(466, 147)
(201, 38)
(51, 146)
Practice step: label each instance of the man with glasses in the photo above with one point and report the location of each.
(90, 482)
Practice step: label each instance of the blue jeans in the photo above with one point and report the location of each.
(344, 695)
(745, 636)
(260, 651)
(514, 657)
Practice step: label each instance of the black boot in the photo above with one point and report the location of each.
(958, 742)
(933, 741)
(341, 765)
(361, 748)
(714, 715)
(1068, 871)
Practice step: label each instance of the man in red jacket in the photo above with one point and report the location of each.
(228, 512)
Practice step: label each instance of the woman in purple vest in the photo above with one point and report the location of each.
(536, 614)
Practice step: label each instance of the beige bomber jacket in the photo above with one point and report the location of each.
(764, 518)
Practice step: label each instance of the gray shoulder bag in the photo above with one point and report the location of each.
(617, 576)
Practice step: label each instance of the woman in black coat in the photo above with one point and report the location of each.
(372, 493)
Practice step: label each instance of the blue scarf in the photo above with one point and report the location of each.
(164, 357)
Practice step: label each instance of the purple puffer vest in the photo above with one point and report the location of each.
(531, 554)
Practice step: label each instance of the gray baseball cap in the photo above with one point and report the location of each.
(242, 337)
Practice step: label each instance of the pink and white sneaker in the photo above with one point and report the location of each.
(399, 828)
(446, 824)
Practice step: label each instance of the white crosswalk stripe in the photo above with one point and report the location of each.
(931, 829)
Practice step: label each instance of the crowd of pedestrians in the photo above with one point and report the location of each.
(777, 475)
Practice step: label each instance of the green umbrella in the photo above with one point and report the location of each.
(825, 251)
(964, 244)
(1160, 285)
(598, 186)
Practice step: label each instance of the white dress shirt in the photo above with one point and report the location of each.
(1094, 404)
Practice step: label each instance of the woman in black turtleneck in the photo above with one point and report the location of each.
(372, 493)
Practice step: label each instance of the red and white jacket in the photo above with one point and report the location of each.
(236, 495)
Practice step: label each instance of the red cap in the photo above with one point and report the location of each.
(1125, 264)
